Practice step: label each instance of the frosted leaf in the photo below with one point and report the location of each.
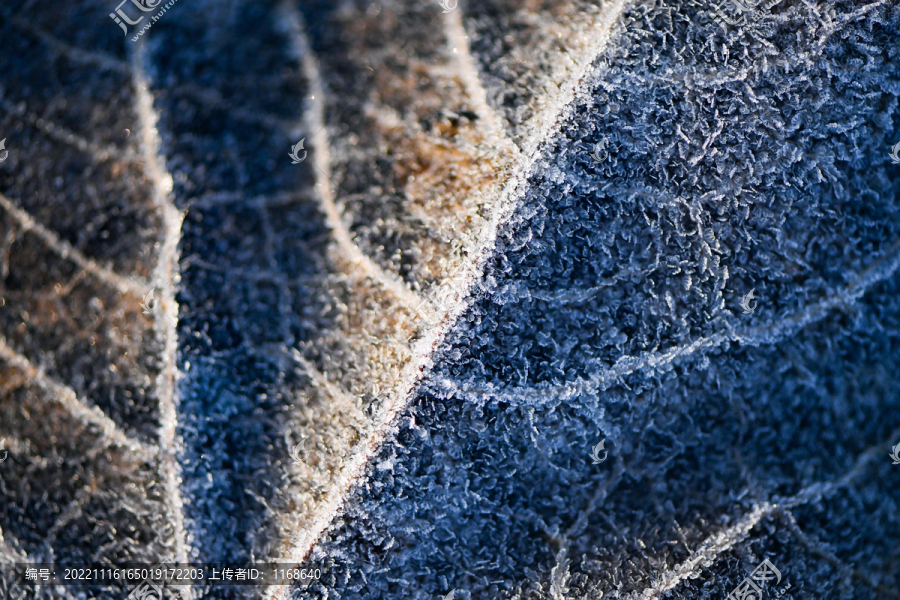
(396, 352)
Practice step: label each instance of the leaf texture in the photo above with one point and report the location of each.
(449, 301)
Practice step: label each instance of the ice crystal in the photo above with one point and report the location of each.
(519, 229)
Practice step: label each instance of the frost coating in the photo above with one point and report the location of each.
(739, 158)
(733, 158)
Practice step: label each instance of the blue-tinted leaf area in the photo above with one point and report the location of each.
(740, 157)
(237, 252)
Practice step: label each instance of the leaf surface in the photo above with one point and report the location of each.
(397, 355)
